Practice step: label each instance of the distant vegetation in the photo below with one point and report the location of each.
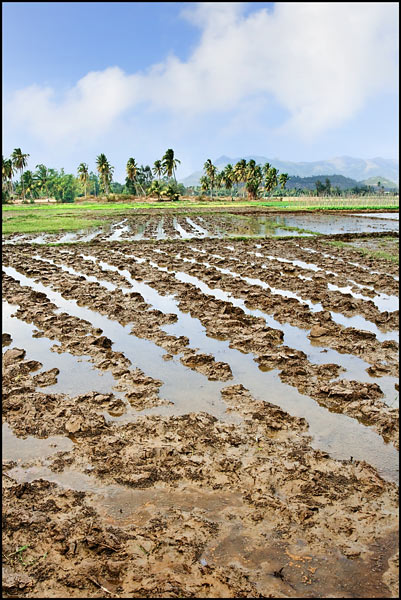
(240, 181)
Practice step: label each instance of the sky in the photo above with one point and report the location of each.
(298, 81)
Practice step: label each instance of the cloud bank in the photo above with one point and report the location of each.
(320, 62)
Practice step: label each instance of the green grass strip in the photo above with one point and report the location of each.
(368, 252)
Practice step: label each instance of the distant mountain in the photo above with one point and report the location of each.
(357, 169)
(309, 183)
(386, 183)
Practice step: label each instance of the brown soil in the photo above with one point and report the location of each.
(191, 505)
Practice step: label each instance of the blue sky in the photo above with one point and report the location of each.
(296, 81)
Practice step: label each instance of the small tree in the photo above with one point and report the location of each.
(105, 171)
(320, 187)
(20, 161)
(270, 179)
(169, 163)
(205, 183)
(83, 174)
(253, 179)
(155, 188)
(158, 169)
(228, 178)
(211, 172)
(283, 178)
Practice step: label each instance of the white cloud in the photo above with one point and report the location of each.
(319, 61)
(89, 108)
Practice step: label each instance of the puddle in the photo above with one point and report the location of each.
(394, 215)
(125, 505)
(333, 432)
(184, 234)
(384, 302)
(203, 232)
(294, 337)
(77, 374)
(118, 231)
(31, 448)
(147, 356)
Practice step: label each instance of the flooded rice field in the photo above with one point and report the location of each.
(146, 225)
(208, 417)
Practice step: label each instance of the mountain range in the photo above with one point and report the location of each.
(359, 169)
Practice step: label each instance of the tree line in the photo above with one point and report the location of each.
(249, 176)
(239, 180)
(65, 187)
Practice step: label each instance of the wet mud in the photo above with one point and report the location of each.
(175, 479)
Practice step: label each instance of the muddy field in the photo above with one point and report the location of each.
(142, 224)
(200, 418)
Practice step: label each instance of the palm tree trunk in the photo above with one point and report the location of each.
(23, 188)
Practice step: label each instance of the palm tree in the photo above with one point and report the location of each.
(253, 180)
(7, 172)
(169, 163)
(105, 171)
(31, 184)
(271, 179)
(228, 178)
(132, 172)
(155, 188)
(205, 183)
(240, 172)
(42, 177)
(19, 162)
(211, 172)
(83, 173)
(158, 169)
(266, 168)
(283, 179)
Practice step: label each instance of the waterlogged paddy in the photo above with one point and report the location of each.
(142, 227)
(218, 411)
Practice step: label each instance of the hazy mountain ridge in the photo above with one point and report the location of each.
(358, 169)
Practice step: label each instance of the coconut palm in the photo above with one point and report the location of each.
(132, 173)
(105, 171)
(155, 188)
(7, 172)
(158, 169)
(211, 172)
(169, 163)
(271, 179)
(228, 178)
(219, 181)
(42, 178)
(83, 173)
(31, 184)
(266, 168)
(20, 161)
(253, 179)
(283, 178)
(205, 183)
(240, 172)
